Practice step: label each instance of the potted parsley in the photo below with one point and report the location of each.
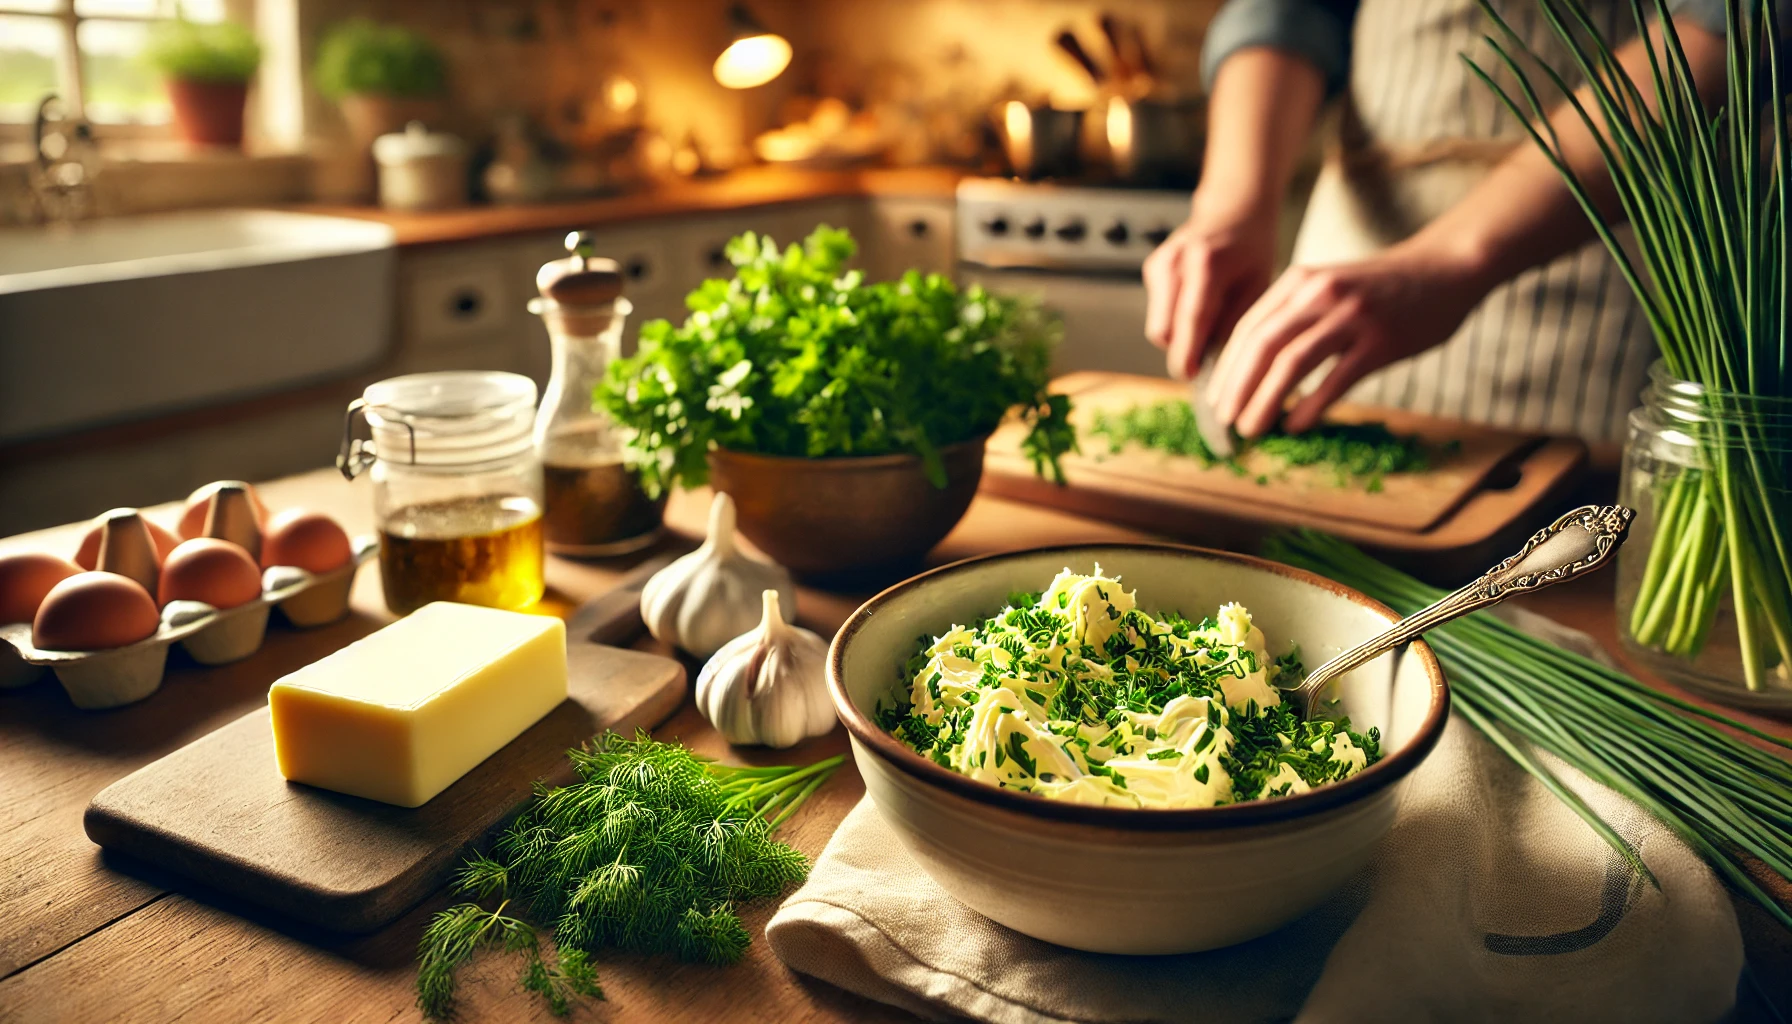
(382, 77)
(207, 68)
(847, 419)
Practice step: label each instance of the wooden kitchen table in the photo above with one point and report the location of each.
(86, 937)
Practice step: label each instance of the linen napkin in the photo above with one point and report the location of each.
(1488, 900)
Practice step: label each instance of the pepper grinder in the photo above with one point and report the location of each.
(595, 506)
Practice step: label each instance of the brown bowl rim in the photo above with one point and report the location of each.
(1383, 773)
(845, 461)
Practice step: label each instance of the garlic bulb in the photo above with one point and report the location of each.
(767, 686)
(711, 595)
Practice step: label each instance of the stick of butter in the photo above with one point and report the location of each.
(399, 715)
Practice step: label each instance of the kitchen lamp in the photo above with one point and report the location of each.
(755, 57)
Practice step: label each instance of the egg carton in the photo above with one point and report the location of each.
(212, 636)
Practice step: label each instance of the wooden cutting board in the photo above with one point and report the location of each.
(1405, 501)
(1444, 523)
(218, 810)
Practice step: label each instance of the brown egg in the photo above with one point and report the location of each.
(310, 540)
(24, 580)
(210, 570)
(192, 520)
(94, 611)
(87, 556)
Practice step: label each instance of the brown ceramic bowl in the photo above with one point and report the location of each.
(820, 517)
(1127, 880)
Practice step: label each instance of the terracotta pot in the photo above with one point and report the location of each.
(370, 117)
(820, 517)
(208, 113)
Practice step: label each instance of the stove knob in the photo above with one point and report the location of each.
(1157, 236)
(997, 226)
(1116, 234)
(1035, 228)
(1073, 231)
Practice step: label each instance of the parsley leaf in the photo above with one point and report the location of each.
(796, 355)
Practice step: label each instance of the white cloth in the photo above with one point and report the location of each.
(1488, 901)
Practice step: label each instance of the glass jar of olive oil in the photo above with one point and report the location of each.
(594, 503)
(457, 486)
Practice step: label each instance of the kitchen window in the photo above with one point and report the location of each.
(89, 52)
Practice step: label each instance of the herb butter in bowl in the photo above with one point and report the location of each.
(1088, 745)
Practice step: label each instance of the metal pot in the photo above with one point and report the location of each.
(1040, 142)
(1154, 142)
(846, 515)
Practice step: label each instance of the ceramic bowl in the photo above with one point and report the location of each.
(822, 517)
(1123, 880)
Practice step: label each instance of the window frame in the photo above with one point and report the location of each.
(71, 86)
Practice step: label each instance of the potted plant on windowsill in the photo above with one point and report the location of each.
(382, 77)
(207, 68)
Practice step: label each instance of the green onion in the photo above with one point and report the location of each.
(1730, 801)
(1706, 193)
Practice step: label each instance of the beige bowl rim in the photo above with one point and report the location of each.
(1385, 772)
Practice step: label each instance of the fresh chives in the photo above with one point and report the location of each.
(1729, 800)
(1706, 194)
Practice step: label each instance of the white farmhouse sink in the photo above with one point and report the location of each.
(119, 318)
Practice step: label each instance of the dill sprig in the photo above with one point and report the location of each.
(1360, 452)
(650, 851)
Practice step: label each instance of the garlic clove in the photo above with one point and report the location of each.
(711, 595)
(767, 686)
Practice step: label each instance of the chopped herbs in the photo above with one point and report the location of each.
(650, 851)
(1361, 453)
(1083, 697)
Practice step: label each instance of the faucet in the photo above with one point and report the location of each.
(62, 175)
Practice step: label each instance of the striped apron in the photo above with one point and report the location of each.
(1562, 348)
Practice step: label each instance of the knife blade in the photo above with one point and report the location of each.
(1216, 435)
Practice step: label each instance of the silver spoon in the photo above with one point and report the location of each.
(1571, 547)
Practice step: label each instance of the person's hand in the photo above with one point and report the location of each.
(1202, 279)
(1368, 314)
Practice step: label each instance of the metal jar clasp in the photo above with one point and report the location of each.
(357, 451)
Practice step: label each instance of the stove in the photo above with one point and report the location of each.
(1070, 228)
(1081, 249)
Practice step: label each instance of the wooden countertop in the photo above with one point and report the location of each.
(85, 937)
(748, 187)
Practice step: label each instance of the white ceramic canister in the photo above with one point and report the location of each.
(421, 169)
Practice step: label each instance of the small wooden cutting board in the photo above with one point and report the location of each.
(219, 811)
(1464, 456)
